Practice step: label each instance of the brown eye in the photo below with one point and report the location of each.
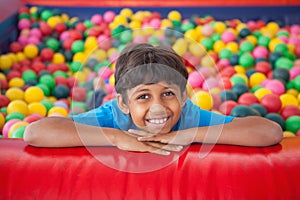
(166, 94)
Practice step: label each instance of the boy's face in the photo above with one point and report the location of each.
(154, 108)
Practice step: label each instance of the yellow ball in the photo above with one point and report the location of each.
(14, 93)
(2, 121)
(52, 21)
(191, 35)
(64, 17)
(135, 24)
(273, 43)
(58, 58)
(2, 76)
(37, 108)
(218, 46)
(57, 110)
(207, 61)
(91, 43)
(232, 46)
(13, 57)
(288, 134)
(256, 79)
(120, 20)
(165, 23)
(80, 56)
(99, 54)
(197, 49)
(174, 15)
(252, 39)
(203, 99)
(261, 92)
(112, 80)
(288, 99)
(272, 26)
(31, 51)
(15, 126)
(17, 106)
(33, 94)
(240, 26)
(20, 56)
(293, 92)
(240, 70)
(33, 9)
(80, 76)
(16, 82)
(219, 27)
(126, 12)
(5, 62)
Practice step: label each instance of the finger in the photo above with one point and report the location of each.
(154, 138)
(168, 147)
(140, 133)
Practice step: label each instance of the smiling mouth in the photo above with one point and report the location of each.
(158, 121)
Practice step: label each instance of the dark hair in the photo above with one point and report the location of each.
(147, 64)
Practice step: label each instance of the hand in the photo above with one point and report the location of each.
(174, 137)
(126, 141)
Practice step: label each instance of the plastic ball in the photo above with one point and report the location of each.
(246, 60)
(226, 107)
(238, 79)
(7, 126)
(31, 51)
(2, 121)
(4, 101)
(174, 15)
(293, 124)
(294, 72)
(271, 102)
(276, 118)
(48, 80)
(15, 126)
(32, 118)
(37, 108)
(275, 86)
(259, 108)
(248, 99)
(53, 44)
(14, 115)
(288, 134)
(228, 36)
(288, 99)
(195, 79)
(16, 82)
(5, 62)
(256, 79)
(261, 92)
(61, 91)
(207, 43)
(243, 111)
(263, 67)
(289, 111)
(24, 24)
(296, 82)
(29, 75)
(203, 99)
(58, 58)
(57, 111)
(77, 46)
(240, 88)
(78, 94)
(14, 93)
(17, 106)
(18, 133)
(33, 94)
(284, 63)
(226, 95)
(246, 46)
(281, 74)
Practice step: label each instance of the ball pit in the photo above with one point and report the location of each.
(253, 65)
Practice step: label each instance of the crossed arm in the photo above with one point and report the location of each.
(63, 132)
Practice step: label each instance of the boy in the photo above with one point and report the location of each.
(151, 112)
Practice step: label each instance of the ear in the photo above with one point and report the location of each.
(183, 98)
(123, 107)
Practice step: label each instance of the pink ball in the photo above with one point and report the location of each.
(294, 72)
(155, 23)
(295, 29)
(23, 40)
(96, 19)
(247, 99)
(206, 72)
(109, 16)
(113, 57)
(104, 42)
(110, 88)
(91, 76)
(284, 39)
(139, 39)
(210, 83)
(33, 40)
(195, 79)
(228, 36)
(260, 52)
(276, 86)
(7, 126)
(35, 32)
(64, 35)
(105, 72)
(223, 62)
(207, 30)
(294, 40)
(33, 117)
(265, 82)
(24, 23)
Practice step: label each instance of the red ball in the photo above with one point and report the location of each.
(225, 83)
(52, 68)
(247, 99)
(60, 27)
(15, 47)
(60, 80)
(3, 84)
(45, 29)
(226, 107)
(94, 31)
(16, 66)
(13, 74)
(78, 94)
(263, 67)
(33, 117)
(75, 35)
(4, 101)
(80, 27)
(38, 66)
(271, 102)
(289, 111)
(72, 82)
(63, 67)
(227, 72)
(67, 44)
(46, 54)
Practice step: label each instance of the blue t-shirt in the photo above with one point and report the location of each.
(109, 115)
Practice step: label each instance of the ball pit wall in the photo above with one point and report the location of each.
(226, 172)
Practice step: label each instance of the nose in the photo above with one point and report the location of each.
(157, 109)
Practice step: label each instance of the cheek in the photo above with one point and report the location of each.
(137, 114)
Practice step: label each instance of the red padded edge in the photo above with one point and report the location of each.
(227, 172)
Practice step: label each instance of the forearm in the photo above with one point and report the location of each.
(251, 131)
(63, 132)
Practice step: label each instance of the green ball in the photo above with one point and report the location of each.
(76, 66)
(19, 132)
(256, 88)
(207, 43)
(48, 80)
(153, 40)
(282, 33)
(115, 33)
(88, 23)
(126, 36)
(246, 46)
(263, 41)
(187, 26)
(256, 33)
(176, 23)
(293, 124)
(14, 115)
(46, 14)
(53, 44)
(216, 37)
(77, 104)
(281, 48)
(29, 75)
(296, 82)
(23, 16)
(47, 103)
(237, 80)
(77, 46)
(246, 60)
(45, 89)
(225, 54)
(60, 73)
(284, 63)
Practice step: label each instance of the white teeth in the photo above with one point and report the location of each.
(158, 121)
